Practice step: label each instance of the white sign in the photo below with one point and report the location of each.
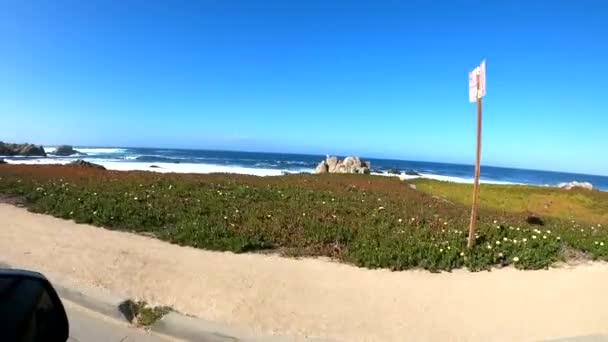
(477, 91)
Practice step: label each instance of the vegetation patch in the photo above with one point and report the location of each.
(369, 221)
(141, 313)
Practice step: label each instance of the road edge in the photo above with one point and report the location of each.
(173, 324)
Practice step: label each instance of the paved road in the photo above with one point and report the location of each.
(89, 326)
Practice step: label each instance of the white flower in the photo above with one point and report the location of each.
(524, 240)
(412, 219)
(380, 208)
(533, 236)
(489, 246)
(135, 198)
(225, 217)
(495, 222)
(449, 247)
(505, 239)
(461, 253)
(303, 214)
(514, 240)
(497, 242)
(95, 212)
(582, 230)
(497, 227)
(171, 187)
(548, 232)
(596, 243)
(323, 202)
(269, 216)
(500, 254)
(440, 250)
(236, 210)
(333, 199)
(515, 259)
(544, 236)
(445, 223)
(601, 243)
(517, 228)
(399, 220)
(558, 238)
(334, 216)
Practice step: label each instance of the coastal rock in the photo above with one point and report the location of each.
(412, 173)
(331, 162)
(86, 164)
(65, 150)
(2, 161)
(155, 167)
(348, 165)
(21, 150)
(322, 167)
(575, 184)
(393, 172)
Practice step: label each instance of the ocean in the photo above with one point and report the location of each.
(272, 164)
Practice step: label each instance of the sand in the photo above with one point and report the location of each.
(312, 297)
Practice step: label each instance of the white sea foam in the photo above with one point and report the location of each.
(38, 161)
(99, 150)
(452, 179)
(188, 168)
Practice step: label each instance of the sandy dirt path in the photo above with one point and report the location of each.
(270, 294)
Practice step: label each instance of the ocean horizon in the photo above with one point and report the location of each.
(182, 160)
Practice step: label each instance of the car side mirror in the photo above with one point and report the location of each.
(30, 309)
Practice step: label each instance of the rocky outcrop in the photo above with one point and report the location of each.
(82, 163)
(21, 150)
(65, 150)
(347, 165)
(2, 162)
(575, 184)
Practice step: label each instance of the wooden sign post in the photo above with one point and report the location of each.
(477, 89)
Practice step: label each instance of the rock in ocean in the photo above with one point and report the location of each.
(21, 150)
(65, 150)
(347, 165)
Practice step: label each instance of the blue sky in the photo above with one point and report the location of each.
(372, 78)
